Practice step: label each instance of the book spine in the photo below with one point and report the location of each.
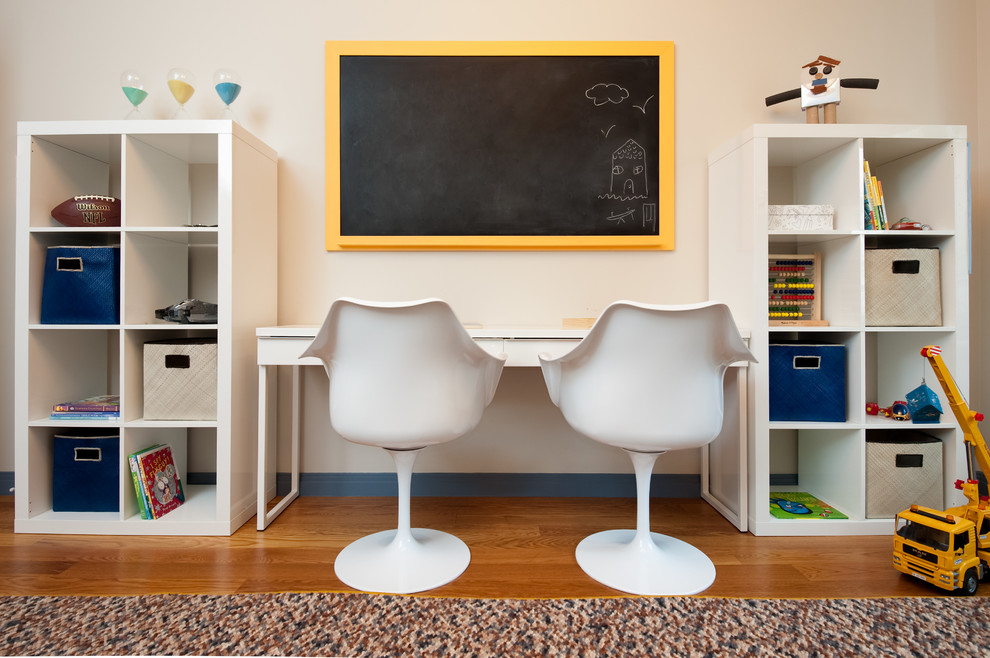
(874, 196)
(874, 223)
(867, 209)
(66, 415)
(86, 407)
(138, 489)
(881, 224)
(883, 207)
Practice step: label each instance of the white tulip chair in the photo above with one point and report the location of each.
(647, 379)
(403, 376)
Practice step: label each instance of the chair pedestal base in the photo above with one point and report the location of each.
(659, 566)
(383, 563)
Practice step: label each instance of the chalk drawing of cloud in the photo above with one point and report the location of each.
(607, 93)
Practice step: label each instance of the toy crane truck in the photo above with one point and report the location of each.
(949, 549)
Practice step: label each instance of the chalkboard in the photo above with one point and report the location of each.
(460, 147)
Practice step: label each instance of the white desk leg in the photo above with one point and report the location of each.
(296, 430)
(262, 444)
(264, 518)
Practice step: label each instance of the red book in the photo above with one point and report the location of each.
(160, 479)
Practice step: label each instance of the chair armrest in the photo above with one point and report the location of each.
(551, 374)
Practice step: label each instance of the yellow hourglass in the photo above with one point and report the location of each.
(182, 84)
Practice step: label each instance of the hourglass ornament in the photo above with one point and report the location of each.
(182, 84)
(228, 85)
(132, 83)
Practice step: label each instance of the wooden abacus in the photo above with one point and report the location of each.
(794, 294)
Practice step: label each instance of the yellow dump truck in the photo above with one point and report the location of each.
(949, 549)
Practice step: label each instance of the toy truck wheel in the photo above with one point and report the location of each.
(970, 582)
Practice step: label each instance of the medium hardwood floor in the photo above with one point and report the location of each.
(520, 548)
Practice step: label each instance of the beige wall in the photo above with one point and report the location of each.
(60, 59)
(979, 283)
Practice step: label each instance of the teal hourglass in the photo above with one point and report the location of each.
(228, 86)
(132, 83)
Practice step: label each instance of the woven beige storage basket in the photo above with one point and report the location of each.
(903, 288)
(180, 379)
(901, 474)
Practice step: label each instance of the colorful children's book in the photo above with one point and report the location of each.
(97, 407)
(93, 415)
(160, 481)
(800, 505)
(142, 499)
(96, 403)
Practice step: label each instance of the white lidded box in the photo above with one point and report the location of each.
(800, 218)
(180, 379)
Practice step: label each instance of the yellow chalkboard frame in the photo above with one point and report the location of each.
(663, 50)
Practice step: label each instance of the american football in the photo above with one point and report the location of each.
(88, 210)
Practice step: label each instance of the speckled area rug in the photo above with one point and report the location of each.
(380, 625)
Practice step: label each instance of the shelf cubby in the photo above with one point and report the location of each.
(63, 166)
(69, 364)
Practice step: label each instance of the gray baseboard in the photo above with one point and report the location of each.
(200, 478)
(562, 485)
(784, 479)
(7, 480)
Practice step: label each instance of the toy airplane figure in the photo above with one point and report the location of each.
(822, 90)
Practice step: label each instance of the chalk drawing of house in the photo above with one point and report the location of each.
(629, 170)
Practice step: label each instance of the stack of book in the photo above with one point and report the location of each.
(97, 407)
(156, 481)
(874, 211)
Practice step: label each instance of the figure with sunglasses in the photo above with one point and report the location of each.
(821, 90)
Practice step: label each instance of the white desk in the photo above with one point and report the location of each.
(281, 346)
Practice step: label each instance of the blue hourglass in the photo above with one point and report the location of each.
(228, 86)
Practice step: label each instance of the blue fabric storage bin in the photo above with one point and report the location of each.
(81, 286)
(86, 471)
(807, 382)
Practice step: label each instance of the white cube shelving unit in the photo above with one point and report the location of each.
(924, 172)
(198, 221)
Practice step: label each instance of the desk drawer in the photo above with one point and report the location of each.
(526, 351)
(494, 346)
(284, 351)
